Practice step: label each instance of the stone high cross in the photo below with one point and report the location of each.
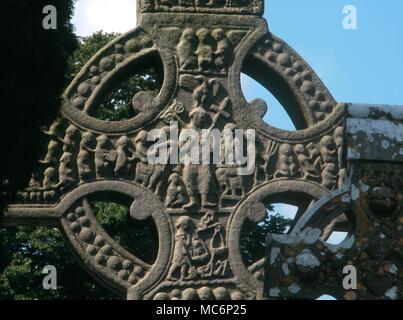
(200, 47)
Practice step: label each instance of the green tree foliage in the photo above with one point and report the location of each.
(32, 80)
(253, 236)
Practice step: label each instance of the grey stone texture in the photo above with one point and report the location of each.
(199, 211)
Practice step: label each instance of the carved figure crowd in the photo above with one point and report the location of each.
(204, 51)
(316, 162)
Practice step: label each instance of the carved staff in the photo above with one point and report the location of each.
(220, 112)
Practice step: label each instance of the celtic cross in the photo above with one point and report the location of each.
(200, 48)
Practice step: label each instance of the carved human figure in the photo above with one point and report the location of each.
(204, 50)
(308, 165)
(53, 153)
(186, 50)
(175, 192)
(328, 151)
(34, 188)
(85, 159)
(104, 157)
(182, 256)
(231, 183)
(223, 50)
(67, 171)
(54, 147)
(144, 170)
(197, 177)
(124, 157)
(70, 140)
(286, 166)
(159, 169)
(49, 185)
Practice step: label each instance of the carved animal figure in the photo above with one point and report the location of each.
(70, 140)
(230, 182)
(308, 166)
(197, 177)
(328, 151)
(33, 188)
(53, 153)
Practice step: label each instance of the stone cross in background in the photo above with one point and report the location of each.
(367, 264)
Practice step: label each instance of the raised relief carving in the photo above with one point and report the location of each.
(101, 249)
(186, 50)
(200, 251)
(330, 168)
(104, 157)
(85, 158)
(176, 195)
(204, 51)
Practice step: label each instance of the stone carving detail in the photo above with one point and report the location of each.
(208, 6)
(198, 209)
(200, 253)
(100, 248)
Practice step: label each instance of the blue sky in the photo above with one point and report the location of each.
(361, 66)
